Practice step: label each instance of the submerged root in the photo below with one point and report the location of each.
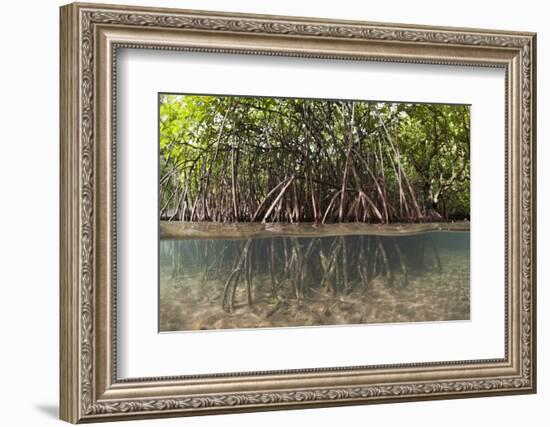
(232, 282)
(436, 254)
(402, 264)
(363, 265)
(294, 267)
(344, 256)
(329, 264)
(272, 267)
(385, 261)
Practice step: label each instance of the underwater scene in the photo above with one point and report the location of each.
(311, 279)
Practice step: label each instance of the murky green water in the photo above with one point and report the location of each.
(217, 283)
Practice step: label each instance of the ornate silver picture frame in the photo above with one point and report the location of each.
(91, 35)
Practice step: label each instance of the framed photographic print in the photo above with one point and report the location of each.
(266, 212)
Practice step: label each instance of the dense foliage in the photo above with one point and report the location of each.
(228, 158)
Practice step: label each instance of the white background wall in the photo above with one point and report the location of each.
(29, 171)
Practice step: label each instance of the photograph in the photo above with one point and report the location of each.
(292, 212)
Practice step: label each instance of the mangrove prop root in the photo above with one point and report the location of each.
(421, 252)
(205, 273)
(305, 261)
(362, 264)
(401, 262)
(375, 261)
(385, 261)
(436, 254)
(272, 266)
(293, 267)
(230, 286)
(248, 277)
(236, 159)
(344, 265)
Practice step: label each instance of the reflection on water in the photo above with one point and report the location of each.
(315, 280)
